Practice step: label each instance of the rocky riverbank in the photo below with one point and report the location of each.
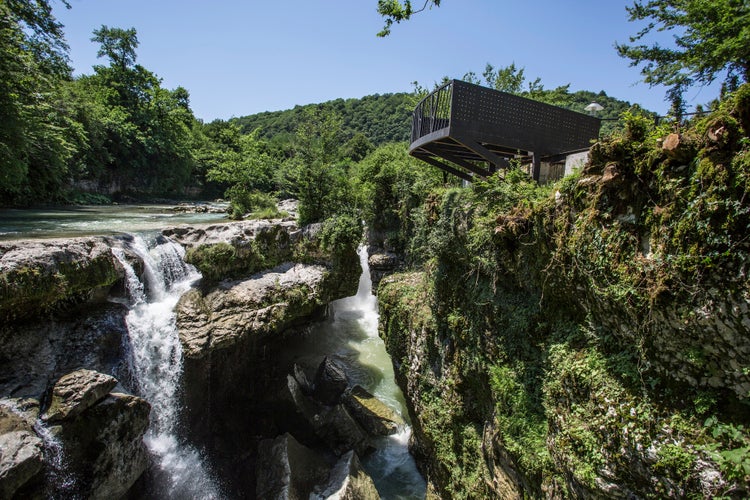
(63, 304)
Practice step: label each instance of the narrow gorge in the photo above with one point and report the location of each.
(196, 363)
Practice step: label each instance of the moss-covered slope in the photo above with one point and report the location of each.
(589, 339)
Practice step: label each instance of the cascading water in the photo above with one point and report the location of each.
(352, 337)
(155, 362)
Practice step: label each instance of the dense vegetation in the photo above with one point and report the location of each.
(584, 335)
(380, 118)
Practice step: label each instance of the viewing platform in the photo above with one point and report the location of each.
(468, 131)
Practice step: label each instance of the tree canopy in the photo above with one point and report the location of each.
(395, 11)
(711, 40)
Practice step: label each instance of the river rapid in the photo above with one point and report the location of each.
(102, 220)
(350, 336)
(179, 469)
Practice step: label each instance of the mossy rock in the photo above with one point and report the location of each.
(39, 277)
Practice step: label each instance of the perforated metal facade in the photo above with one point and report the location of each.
(477, 129)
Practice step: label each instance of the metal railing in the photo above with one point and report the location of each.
(433, 113)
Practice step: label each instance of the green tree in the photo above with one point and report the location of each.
(711, 40)
(118, 45)
(317, 174)
(390, 184)
(395, 11)
(141, 135)
(508, 79)
(36, 140)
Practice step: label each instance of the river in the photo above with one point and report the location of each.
(350, 336)
(105, 219)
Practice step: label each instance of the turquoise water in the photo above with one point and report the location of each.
(95, 220)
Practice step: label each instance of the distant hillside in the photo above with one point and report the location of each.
(386, 118)
(381, 118)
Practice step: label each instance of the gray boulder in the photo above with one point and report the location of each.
(332, 425)
(76, 392)
(104, 445)
(21, 450)
(330, 382)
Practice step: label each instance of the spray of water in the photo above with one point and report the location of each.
(155, 362)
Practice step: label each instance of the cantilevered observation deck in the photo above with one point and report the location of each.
(469, 130)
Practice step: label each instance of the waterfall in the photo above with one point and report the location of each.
(155, 361)
(391, 466)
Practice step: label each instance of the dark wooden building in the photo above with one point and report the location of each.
(469, 130)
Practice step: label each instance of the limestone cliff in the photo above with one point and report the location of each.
(589, 339)
(264, 282)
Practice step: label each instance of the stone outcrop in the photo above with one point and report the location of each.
(91, 447)
(264, 282)
(21, 450)
(42, 276)
(35, 355)
(103, 446)
(261, 305)
(288, 470)
(328, 428)
(382, 263)
(76, 392)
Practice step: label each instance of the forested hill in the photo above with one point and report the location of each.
(384, 118)
(381, 118)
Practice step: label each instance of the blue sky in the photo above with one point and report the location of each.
(243, 57)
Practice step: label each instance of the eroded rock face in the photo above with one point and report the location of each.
(76, 392)
(40, 276)
(286, 469)
(35, 355)
(21, 450)
(95, 446)
(382, 263)
(104, 447)
(261, 305)
(264, 283)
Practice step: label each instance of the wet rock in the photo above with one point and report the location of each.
(20, 461)
(332, 425)
(76, 392)
(21, 451)
(347, 481)
(371, 413)
(35, 356)
(340, 432)
(104, 445)
(288, 470)
(330, 382)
